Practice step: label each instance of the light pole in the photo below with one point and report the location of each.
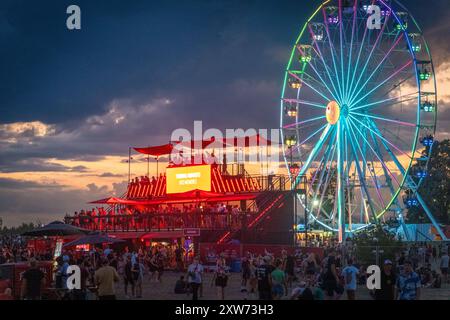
(290, 142)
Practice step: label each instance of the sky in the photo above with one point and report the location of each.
(72, 102)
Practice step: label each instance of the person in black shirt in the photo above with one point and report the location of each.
(128, 277)
(264, 280)
(33, 280)
(330, 277)
(388, 281)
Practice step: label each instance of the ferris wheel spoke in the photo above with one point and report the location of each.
(314, 151)
(376, 132)
(333, 94)
(310, 86)
(324, 159)
(359, 55)
(383, 82)
(307, 103)
(368, 59)
(360, 171)
(303, 122)
(333, 51)
(341, 40)
(402, 123)
(374, 152)
(328, 175)
(381, 102)
(355, 14)
(386, 144)
(386, 174)
(324, 173)
(320, 55)
(368, 164)
(320, 83)
(364, 70)
(353, 95)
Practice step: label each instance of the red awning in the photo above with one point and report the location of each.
(113, 200)
(256, 140)
(194, 194)
(186, 197)
(156, 151)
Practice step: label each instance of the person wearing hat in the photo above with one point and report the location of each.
(388, 281)
(408, 283)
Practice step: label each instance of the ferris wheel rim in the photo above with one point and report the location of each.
(417, 131)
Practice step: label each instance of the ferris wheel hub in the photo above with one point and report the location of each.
(333, 112)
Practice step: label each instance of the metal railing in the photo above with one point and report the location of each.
(160, 221)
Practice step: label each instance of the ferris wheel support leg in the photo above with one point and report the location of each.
(413, 186)
(398, 216)
(429, 214)
(340, 182)
(313, 154)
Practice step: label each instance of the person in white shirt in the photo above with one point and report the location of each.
(194, 275)
(349, 274)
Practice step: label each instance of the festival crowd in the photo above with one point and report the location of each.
(300, 275)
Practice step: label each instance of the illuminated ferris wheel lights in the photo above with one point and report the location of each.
(295, 84)
(401, 26)
(385, 13)
(305, 58)
(428, 107)
(290, 141)
(318, 37)
(427, 141)
(315, 203)
(291, 111)
(411, 202)
(421, 174)
(424, 75)
(333, 20)
(416, 47)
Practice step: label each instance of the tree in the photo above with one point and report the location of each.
(435, 189)
(367, 242)
(24, 227)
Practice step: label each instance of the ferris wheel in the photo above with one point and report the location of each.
(358, 109)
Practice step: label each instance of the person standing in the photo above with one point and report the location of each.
(349, 273)
(263, 273)
(128, 277)
(194, 275)
(104, 278)
(330, 277)
(179, 259)
(388, 281)
(33, 281)
(408, 283)
(220, 278)
(138, 276)
(279, 283)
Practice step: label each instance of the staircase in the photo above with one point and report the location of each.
(266, 203)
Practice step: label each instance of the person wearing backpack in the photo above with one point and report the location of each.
(349, 273)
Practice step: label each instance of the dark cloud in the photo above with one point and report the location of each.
(138, 70)
(111, 175)
(37, 165)
(15, 184)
